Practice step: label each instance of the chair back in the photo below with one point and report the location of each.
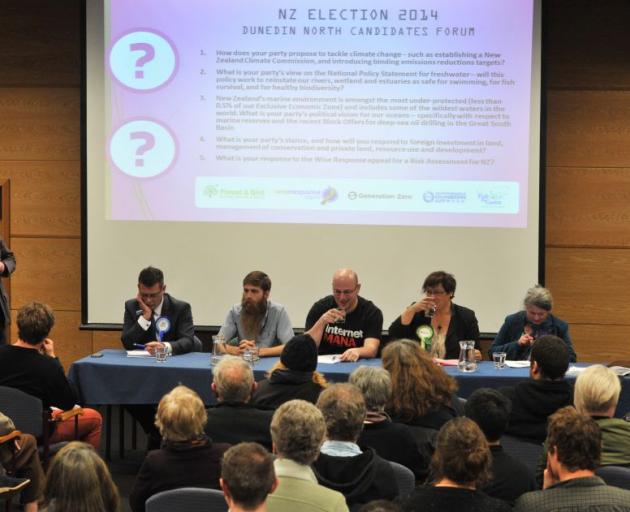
(25, 410)
(527, 452)
(617, 476)
(187, 499)
(405, 479)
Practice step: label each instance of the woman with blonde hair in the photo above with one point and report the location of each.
(293, 377)
(187, 457)
(461, 465)
(79, 481)
(423, 395)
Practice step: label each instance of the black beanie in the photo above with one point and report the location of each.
(300, 354)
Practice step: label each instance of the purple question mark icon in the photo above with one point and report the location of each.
(149, 53)
(149, 142)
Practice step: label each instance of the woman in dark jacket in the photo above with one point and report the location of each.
(187, 458)
(293, 377)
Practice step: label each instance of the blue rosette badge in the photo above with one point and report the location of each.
(162, 326)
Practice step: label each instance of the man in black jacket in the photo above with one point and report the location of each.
(360, 475)
(546, 391)
(234, 419)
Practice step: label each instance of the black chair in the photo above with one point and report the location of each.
(617, 476)
(187, 499)
(528, 452)
(29, 416)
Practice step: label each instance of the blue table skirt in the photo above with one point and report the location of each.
(118, 379)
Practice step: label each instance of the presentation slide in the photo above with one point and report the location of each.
(362, 113)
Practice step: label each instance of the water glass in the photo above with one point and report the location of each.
(160, 354)
(218, 349)
(430, 312)
(499, 360)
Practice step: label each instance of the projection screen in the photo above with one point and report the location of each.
(395, 138)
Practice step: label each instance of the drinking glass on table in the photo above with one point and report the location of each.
(160, 354)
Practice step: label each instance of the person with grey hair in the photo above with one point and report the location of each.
(234, 419)
(297, 431)
(520, 330)
(361, 475)
(392, 441)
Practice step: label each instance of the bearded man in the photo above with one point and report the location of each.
(257, 322)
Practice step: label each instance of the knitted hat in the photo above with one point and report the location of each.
(300, 354)
(6, 425)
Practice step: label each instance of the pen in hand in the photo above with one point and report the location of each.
(139, 345)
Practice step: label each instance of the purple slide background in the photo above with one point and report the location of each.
(198, 24)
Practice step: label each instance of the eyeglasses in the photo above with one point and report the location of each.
(429, 291)
(344, 292)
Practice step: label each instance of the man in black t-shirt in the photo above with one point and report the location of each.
(344, 323)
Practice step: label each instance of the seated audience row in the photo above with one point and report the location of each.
(341, 323)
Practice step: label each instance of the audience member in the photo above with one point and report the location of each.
(360, 475)
(257, 322)
(461, 465)
(187, 458)
(380, 506)
(141, 326)
(7, 267)
(79, 481)
(298, 430)
(546, 391)
(510, 477)
(19, 456)
(234, 418)
(597, 391)
(392, 441)
(520, 330)
(423, 395)
(247, 477)
(344, 322)
(31, 366)
(293, 377)
(573, 453)
(435, 321)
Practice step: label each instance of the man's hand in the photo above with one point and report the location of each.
(147, 312)
(48, 348)
(152, 346)
(351, 355)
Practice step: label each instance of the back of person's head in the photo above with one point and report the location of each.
(300, 354)
(151, 276)
(440, 277)
(380, 506)
(233, 380)
(258, 279)
(418, 384)
(247, 475)
(344, 410)
(575, 438)
(181, 415)
(298, 430)
(375, 384)
(490, 410)
(462, 454)
(597, 390)
(78, 481)
(551, 355)
(34, 321)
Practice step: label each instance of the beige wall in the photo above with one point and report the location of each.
(588, 167)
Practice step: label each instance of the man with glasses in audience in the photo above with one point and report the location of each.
(345, 323)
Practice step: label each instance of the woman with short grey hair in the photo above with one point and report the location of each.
(392, 441)
(520, 330)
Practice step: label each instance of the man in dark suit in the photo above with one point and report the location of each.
(155, 318)
(7, 267)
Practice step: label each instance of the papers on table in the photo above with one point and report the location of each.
(138, 353)
(446, 362)
(517, 364)
(574, 370)
(329, 359)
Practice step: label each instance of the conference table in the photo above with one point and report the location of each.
(116, 379)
